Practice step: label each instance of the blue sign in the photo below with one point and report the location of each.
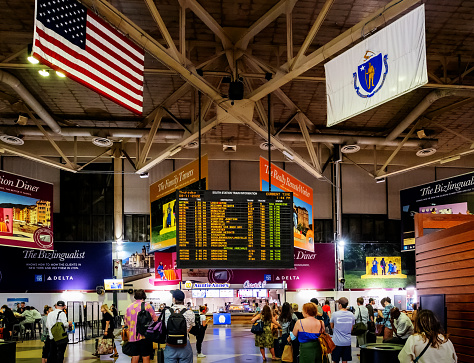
(221, 319)
(70, 266)
(268, 277)
(371, 74)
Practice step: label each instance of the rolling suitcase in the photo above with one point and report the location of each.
(160, 355)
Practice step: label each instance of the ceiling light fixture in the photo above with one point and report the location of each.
(60, 74)
(30, 57)
(44, 72)
(350, 149)
(288, 155)
(144, 175)
(449, 159)
(425, 152)
(382, 180)
(12, 140)
(175, 151)
(102, 142)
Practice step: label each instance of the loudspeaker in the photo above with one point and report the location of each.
(100, 290)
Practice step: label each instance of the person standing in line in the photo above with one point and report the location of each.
(108, 326)
(179, 354)
(141, 346)
(402, 327)
(298, 314)
(361, 315)
(265, 339)
(57, 349)
(342, 322)
(202, 331)
(257, 308)
(385, 314)
(8, 320)
(45, 334)
(370, 309)
(429, 342)
(319, 315)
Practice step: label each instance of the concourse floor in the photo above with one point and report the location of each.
(221, 345)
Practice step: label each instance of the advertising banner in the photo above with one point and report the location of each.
(380, 68)
(302, 202)
(70, 266)
(448, 196)
(26, 212)
(163, 199)
(377, 265)
(313, 270)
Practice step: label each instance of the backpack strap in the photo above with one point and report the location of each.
(183, 311)
(143, 306)
(422, 352)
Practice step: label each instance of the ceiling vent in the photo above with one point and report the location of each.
(350, 149)
(102, 142)
(12, 140)
(229, 148)
(425, 152)
(192, 145)
(264, 146)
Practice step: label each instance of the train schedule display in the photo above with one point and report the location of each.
(234, 229)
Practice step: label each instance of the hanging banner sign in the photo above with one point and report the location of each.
(386, 65)
(26, 212)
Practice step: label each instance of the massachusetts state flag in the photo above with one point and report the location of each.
(70, 38)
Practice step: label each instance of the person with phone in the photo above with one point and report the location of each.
(202, 331)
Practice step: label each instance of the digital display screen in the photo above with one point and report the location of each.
(235, 229)
(226, 293)
(199, 293)
(212, 293)
(113, 284)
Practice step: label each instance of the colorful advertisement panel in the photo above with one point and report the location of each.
(447, 196)
(313, 270)
(70, 266)
(302, 202)
(26, 212)
(163, 199)
(377, 265)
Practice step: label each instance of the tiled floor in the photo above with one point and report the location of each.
(222, 345)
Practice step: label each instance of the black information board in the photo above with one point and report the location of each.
(232, 229)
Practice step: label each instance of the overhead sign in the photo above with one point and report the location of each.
(26, 212)
(384, 66)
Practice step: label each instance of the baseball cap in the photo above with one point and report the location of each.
(343, 301)
(60, 303)
(177, 295)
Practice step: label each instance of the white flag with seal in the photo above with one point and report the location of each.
(384, 66)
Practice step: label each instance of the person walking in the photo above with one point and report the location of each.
(402, 327)
(57, 348)
(265, 339)
(385, 314)
(140, 346)
(202, 331)
(429, 343)
(361, 315)
(307, 331)
(108, 326)
(45, 334)
(342, 322)
(179, 354)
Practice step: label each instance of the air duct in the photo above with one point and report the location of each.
(26, 96)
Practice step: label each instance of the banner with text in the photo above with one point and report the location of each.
(384, 66)
(302, 202)
(163, 199)
(70, 266)
(26, 212)
(448, 196)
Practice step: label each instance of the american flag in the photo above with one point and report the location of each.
(70, 38)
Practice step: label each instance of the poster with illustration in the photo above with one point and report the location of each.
(163, 202)
(302, 202)
(26, 217)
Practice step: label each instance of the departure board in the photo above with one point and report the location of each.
(232, 229)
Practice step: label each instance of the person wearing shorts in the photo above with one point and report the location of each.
(341, 323)
(140, 347)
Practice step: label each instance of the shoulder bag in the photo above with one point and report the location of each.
(422, 352)
(359, 328)
(257, 327)
(325, 340)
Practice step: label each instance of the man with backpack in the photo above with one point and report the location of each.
(57, 324)
(138, 316)
(179, 321)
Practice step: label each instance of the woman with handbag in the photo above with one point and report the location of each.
(108, 326)
(429, 343)
(307, 332)
(45, 334)
(385, 314)
(361, 319)
(265, 338)
(287, 321)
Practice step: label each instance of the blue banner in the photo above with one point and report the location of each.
(70, 266)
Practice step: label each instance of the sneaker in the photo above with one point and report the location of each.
(200, 355)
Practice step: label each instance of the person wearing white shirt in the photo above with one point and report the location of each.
(429, 343)
(361, 315)
(57, 349)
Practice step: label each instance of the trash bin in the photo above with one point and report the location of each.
(8, 352)
(380, 353)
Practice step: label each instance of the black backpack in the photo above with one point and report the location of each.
(326, 319)
(143, 320)
(196, 329)
(177, 329)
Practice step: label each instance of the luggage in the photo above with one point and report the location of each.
(104, 346)
(371, 338)
(160, 356)
(1, 333)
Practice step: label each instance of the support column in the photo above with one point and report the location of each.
(338, 219)
(118, 202)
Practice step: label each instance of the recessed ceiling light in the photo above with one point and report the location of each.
(425, 152)
(264, 146)
(102, 142)
(350, 149)
(192, 145)
(60, 74)
(44, 72)
(12, 140)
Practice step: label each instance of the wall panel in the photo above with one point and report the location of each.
(136, 198)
